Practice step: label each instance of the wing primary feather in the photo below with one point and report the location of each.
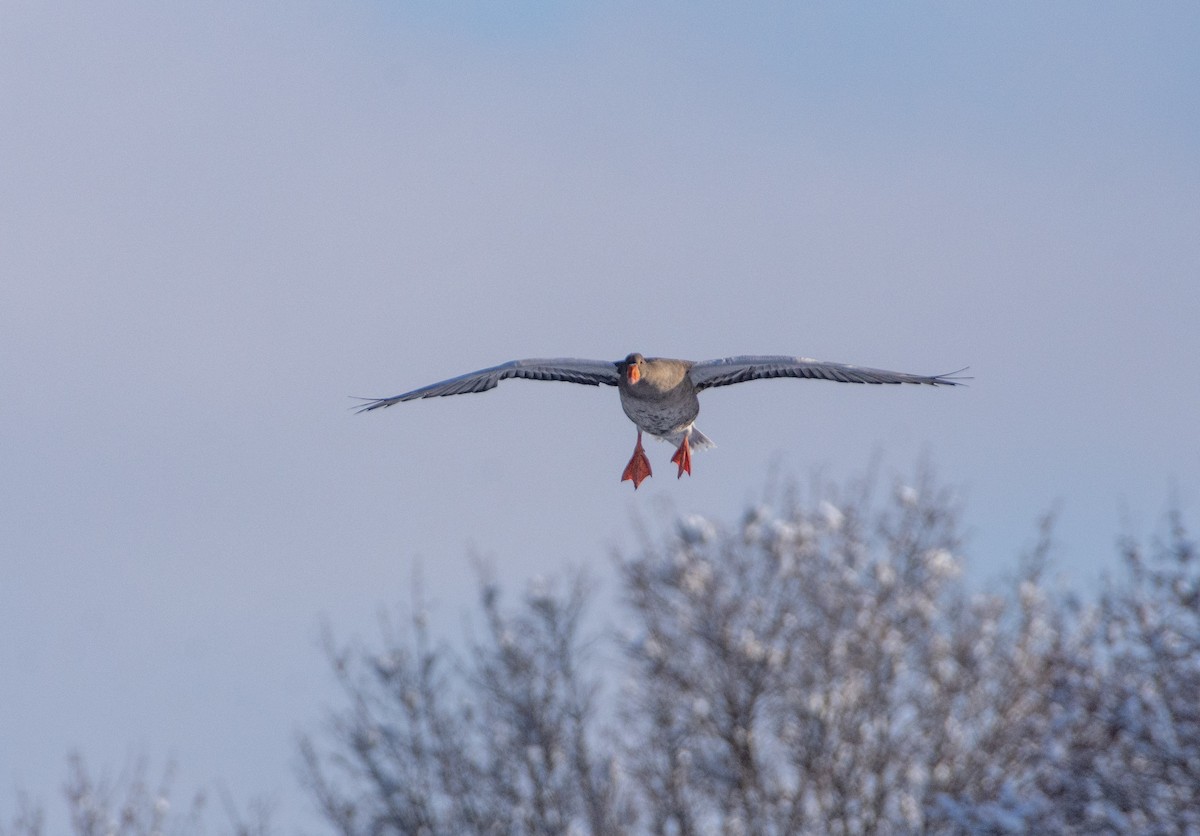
(732, 370)
(587, 372)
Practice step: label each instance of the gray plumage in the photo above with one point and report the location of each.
(659, 394)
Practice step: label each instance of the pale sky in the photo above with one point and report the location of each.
(218, 222)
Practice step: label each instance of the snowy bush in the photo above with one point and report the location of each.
(818, 667)
(814, 669)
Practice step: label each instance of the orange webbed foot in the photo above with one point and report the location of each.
(638, 469)
(683, 458)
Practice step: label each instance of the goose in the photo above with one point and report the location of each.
(660, 394)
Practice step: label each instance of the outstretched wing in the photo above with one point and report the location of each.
(710, 373)
(589, 372)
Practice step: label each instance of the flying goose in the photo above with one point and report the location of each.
(658, 394)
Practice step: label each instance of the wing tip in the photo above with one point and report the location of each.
(954, 378)
(370, 404)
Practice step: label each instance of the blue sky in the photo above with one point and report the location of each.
(217, 223)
